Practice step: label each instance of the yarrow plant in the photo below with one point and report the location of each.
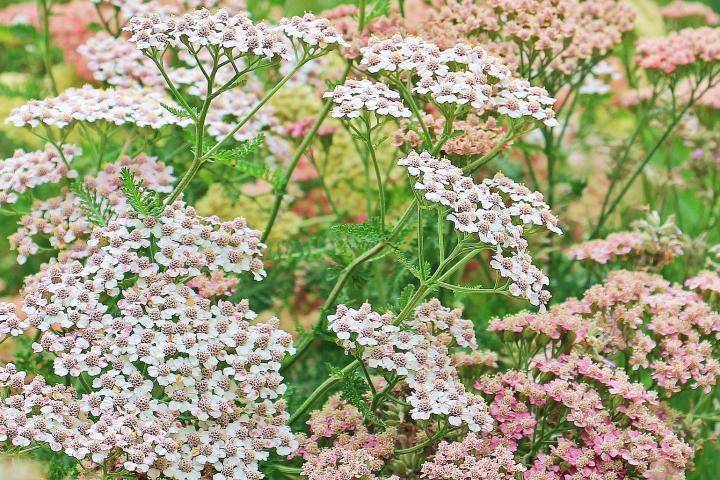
(392, 240)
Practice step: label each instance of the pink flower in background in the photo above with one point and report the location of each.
(68, 27)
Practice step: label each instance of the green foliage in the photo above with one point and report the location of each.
(239, 159)
(354, 389)
(363, 234)
(97, 208)
(180, 111)
(142, 201)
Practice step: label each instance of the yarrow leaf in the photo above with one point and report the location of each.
(97, 208)
(179, 111)
(353, 389)
(141, 200)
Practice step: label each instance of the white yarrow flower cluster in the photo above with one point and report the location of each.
(497, 211)
(355, 96)
(179, 386)
(461, 75)
(64, 223)
(26, 170)
(117, 62)
(237, 35)
(118, 106)
(311, 30)
(420, 355)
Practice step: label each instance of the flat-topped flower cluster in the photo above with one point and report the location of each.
(354, 96)
(636, 319)
(497, 211)
(174, 384)
(63, 222)
(420, 355)
(26, 170)
(236, 33)
(116, 106)
(608, 426)
(461, 76)
(680, 49)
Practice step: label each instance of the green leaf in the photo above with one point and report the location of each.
(97, 208)
(368, 232)
(237, 159)
(353, 390)
(179, 111)
(405, 297)
(140, 199)
(381, 8)
(407, 263)
(233, 156)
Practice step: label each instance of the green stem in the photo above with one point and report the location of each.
(260, 104)
(320, 390)
(604, 216)
(282, 189)
(45, 12)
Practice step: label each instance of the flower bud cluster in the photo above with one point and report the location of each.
(498, 210)
(420, 355)
(24, 171)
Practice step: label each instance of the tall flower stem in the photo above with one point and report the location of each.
(44, 13)
(201, 157)
(282, 188)
(378, 248)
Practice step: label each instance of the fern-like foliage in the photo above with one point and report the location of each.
(354, 389)
(238, 159)
(140, 199)
(179, 111)
(97, 209)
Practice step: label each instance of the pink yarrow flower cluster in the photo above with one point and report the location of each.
(216, 285)
(121, 106)
(354, 97)
(421, 356)
(179, 386)
(705, 281)
(462, 76)
(679, 49)
(655, 326)
(498, 210)
(603, 250)
(560, 35)
(24, 171)
(473, 457)
(117, 62)
(634, 319)
(604, 425)
(681, 10)
(340, 445)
